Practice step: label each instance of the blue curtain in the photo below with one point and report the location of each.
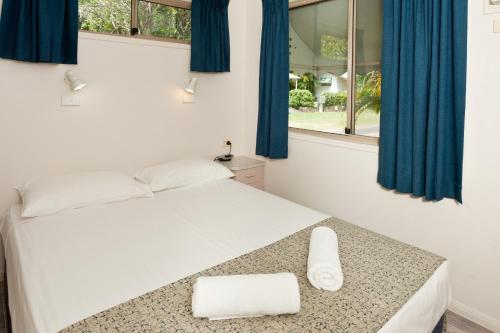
(423, 97)
(272, 127)
(210, 48)
(39, 31)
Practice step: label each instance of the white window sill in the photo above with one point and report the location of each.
(136, 40)
(365, 144)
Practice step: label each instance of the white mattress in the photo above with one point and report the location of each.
(66, 267)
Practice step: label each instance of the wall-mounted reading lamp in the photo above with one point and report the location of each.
(190, 90)
(190, 86)
(74, 82)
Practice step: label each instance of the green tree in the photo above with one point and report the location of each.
(114, 16)
(334, 48)
(368, 92)
(164, 21)
(308, 82)
(105, 16)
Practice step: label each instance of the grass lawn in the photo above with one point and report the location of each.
(331, 121)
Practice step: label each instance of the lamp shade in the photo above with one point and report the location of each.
(191, 86)
(74, 81)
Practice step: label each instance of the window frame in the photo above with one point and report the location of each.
(134, 21)
(350, 131)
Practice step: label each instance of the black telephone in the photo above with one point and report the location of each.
(227, 157)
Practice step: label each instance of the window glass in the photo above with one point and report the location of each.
(320, 68)
(368, 67)
(153, 19)
(105, 16)
(318, 63)
(164, 21)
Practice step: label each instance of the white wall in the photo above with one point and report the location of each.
(341, 179)
(131, 112)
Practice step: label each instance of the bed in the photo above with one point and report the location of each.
(74, 270)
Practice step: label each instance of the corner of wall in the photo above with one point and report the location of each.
(253, 31)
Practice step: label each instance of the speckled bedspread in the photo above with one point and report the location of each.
(381, 274)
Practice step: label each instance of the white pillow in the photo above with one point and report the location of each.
(54, 194)
(182, 173)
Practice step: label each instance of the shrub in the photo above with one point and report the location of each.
(301, 98)
(335, 99)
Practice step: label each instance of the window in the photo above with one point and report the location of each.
(167, 19)
(335, 55)
(105, 16)
(164, 21)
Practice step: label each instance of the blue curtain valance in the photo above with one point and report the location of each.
(423, 97)
(210, 46)
(39, 31)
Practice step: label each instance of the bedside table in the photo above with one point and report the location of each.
(247, 171)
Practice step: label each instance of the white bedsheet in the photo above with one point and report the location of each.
(66, 267)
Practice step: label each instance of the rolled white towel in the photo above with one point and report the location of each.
(324, 270)
(243, 296)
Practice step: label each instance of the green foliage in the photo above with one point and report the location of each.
(308, 82)
(164, 21)
(105, 16)
(368, 92)
(301, 98)
(336, 99)
(334, 48)
(114, 16)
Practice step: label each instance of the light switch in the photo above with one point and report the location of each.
(188, 98)
(70, 100)
(496, 26)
